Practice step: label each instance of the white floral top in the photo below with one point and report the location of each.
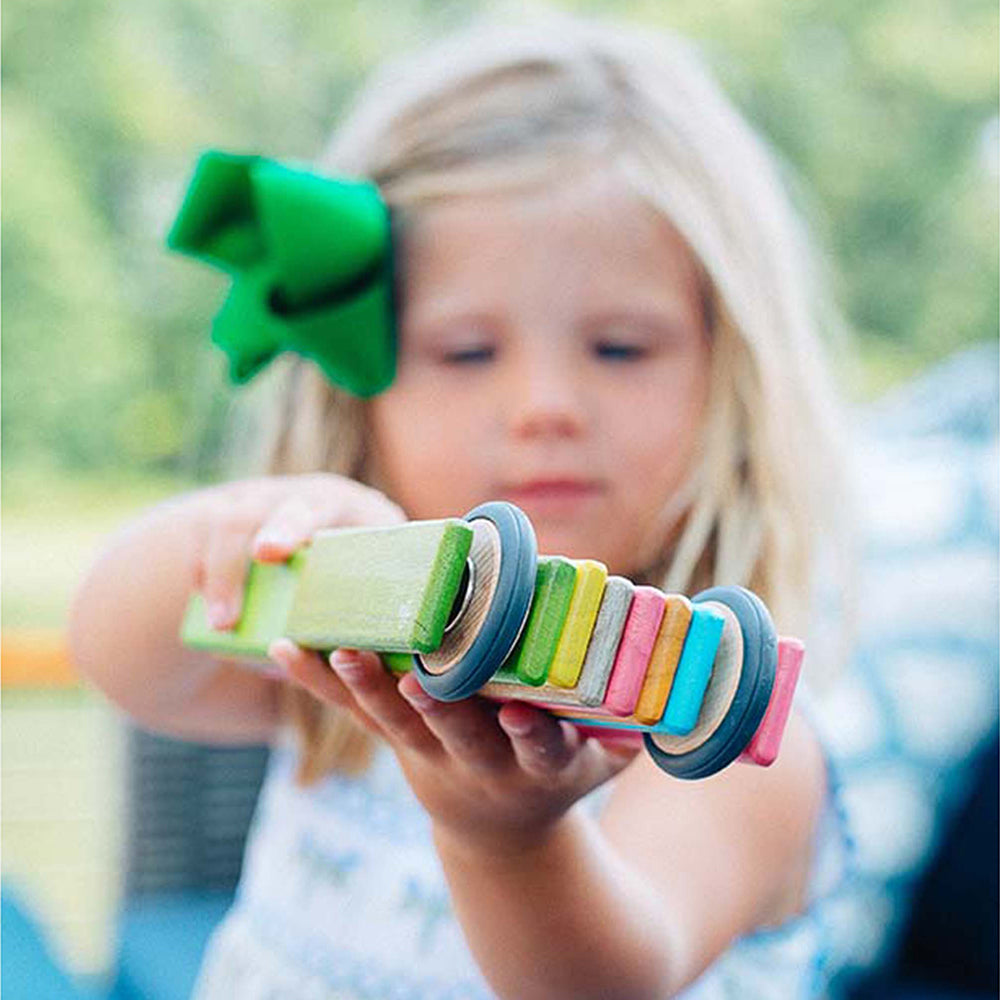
(342, 896)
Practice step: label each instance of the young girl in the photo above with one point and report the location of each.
(607, 317)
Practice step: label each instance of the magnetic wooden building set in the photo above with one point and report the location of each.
(471, 608)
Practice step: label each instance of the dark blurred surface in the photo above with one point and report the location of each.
(950, 947)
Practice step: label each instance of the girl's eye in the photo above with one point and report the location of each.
(468, 355)
(619, 351)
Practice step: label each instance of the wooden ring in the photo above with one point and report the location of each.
(721, 690)
(504, 554)
(749, 703)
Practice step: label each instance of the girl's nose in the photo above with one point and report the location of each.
(546, 398)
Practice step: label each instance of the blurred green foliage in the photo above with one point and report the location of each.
(884, 110)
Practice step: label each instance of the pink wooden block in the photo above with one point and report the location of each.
(634, 650)
(763, 748)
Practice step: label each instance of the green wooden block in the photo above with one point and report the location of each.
(388, 589)
(530, 661)
(267, 599)
(398, 663)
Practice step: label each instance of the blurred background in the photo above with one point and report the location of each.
(884, 111)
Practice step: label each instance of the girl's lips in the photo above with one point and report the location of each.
(552, 496)
(554, 487)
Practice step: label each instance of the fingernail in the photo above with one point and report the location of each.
(347, 662)
(221, 614)
(276, 538)
(516, 727)
(277, 652)
(418, 698)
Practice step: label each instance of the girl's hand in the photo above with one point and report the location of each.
(124, 626)
(267, 519)
(491, 776)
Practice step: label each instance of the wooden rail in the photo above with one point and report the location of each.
(35, 658)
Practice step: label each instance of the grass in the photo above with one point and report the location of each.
(53, 526)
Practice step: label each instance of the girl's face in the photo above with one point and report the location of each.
(553, 352)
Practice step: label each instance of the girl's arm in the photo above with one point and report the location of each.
(553, 904)
(126, 616)
(125, 622)
(639, 904)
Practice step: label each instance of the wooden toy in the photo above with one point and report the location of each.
(499, 588)
(555, 581)
(694, 669)
(764, 747)
(664, 659)
(470, 607)
(587, 593)
(603, 646)
(415, 569)
(634, 650)
(738, 691)
(267, 599)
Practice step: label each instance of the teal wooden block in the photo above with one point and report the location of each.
(387, 589)
(693, 671)
(267, 600)
(531, 658)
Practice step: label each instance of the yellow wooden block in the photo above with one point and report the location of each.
(583, 607)
(663, 660)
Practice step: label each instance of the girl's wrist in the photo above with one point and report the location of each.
(532, 844)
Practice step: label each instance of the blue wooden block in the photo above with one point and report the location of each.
(693, 671)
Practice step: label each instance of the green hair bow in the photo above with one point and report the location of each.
(311, 262)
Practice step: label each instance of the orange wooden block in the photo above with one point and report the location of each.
(663, 660)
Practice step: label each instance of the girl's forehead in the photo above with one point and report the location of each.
(589, 227)
(597, 197)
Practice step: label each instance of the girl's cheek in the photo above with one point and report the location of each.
(430, 454)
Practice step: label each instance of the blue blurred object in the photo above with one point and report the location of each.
(958, 397)
(29, 971)
(161, 941)
(189, 809)
(953, 931)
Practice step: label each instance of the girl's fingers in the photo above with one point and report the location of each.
(223, 573)
(363, 505)
(374, 690)
(543, 745)
(308, 669)
(603, 759)
(299, 517)
(467, 729)
(286, 529)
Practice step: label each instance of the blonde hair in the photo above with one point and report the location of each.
(501, 107)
